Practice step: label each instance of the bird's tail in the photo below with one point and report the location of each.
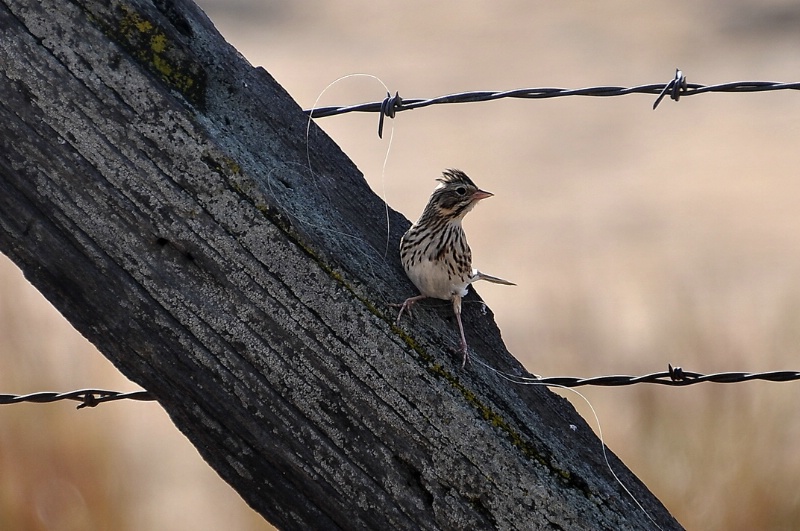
(477, 275)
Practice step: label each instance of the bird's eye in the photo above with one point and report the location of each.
(461, 190)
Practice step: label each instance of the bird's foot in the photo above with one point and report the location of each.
(405, 307)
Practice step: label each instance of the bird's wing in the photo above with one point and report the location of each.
(477, 275)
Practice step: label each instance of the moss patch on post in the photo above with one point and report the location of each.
(156, 49)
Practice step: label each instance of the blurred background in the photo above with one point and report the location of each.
(637, 239)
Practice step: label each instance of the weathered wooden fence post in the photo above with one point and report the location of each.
(155, 188)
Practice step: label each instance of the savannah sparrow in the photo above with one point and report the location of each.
(434, 251)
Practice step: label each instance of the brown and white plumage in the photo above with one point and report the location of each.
(434, 251)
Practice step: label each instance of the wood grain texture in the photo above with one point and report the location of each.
(156, 188)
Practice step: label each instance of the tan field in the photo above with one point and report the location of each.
(637, 238)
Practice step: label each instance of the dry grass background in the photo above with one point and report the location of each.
(637, 238)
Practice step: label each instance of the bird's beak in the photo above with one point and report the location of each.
(481, 194)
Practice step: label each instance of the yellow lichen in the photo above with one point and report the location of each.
(150, 44)
(158, 43)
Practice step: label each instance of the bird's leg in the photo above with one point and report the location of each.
(457, 311)
(406, 306)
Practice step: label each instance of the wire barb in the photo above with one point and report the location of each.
(389, 107)
(674, 88)
(676, 373)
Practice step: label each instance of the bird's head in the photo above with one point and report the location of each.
(456, 195)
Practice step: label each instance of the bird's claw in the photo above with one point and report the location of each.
(405, 307)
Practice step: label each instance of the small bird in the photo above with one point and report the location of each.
(434, 251)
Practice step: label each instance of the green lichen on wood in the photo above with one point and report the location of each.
(154, 48)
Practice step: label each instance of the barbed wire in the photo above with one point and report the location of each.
(674, 376)
(676, 88)
(86, 397)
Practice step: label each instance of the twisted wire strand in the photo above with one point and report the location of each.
(678, 85)
(674, 376)
(86, 397)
